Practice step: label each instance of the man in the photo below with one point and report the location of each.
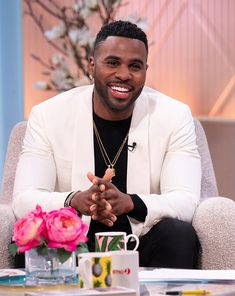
(146, 139)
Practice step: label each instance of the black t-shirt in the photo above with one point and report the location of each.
(112, 134)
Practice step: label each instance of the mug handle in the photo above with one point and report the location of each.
(137, 241)
(84, 270)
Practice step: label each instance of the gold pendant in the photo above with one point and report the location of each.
(113, 170)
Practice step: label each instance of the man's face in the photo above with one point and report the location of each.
(119, 69)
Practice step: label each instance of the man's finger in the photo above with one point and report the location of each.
(108, 174)
(102, 187)
(104, 220)
(94, 197)
(93, 208)
(90, 176)
(95, 180)
(98, 181)
(100, 214)
(108, 206)
(108, 220)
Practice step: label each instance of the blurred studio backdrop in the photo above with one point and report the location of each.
(44, 46)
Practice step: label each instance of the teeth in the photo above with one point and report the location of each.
(119, 88)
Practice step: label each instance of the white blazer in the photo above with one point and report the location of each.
(164, 169)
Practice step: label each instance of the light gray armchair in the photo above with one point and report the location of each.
(214, 219)
(7, 218)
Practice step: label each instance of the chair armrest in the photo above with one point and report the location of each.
(7, 220)
(214, 222)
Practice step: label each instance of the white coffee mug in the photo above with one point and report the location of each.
(113, 241)
(94, 270)
(125, 265)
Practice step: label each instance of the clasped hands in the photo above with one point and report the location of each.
(102, 201)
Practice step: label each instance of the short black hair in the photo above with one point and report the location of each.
(121, 29)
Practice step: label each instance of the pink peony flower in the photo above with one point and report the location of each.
(58, 229)
(64, 229)
(28, 230)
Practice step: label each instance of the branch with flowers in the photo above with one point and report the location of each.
(61, 229)
(71, 38)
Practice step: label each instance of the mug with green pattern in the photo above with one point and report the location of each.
(114, 241)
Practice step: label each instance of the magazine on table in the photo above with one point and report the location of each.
(112, 291)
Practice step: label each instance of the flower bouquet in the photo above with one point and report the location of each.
(50, 242)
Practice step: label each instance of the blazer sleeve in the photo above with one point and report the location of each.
(180, 179)
(36, 171)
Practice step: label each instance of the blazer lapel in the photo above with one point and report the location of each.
(83, 146)
(138, 169)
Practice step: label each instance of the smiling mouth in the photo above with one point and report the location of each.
(120, 89)
(120, 92)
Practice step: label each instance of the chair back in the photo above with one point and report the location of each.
(208, 182)
(12, 156)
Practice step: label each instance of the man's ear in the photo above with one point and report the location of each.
(91, 66)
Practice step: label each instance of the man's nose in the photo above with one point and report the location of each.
(123, 73)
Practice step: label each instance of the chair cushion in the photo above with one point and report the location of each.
(7, 220)
(214, 222)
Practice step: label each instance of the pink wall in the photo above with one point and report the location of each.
(191, 54)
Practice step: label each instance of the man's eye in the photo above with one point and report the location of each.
(112, 63)
(135, 67)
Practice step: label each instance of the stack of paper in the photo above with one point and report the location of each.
(189, 275)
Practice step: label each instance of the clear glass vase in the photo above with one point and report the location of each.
(47, 269)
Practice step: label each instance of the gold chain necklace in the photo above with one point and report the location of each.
(110, 164)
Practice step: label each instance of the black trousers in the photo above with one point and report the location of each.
(171, 243)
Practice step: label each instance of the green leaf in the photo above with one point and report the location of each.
(13, 249)
(42, 250)
(63, 255)
(83, 245)
(97, 246)
(82, 248)
(121, 245)
(113, 246)
(104, 244)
